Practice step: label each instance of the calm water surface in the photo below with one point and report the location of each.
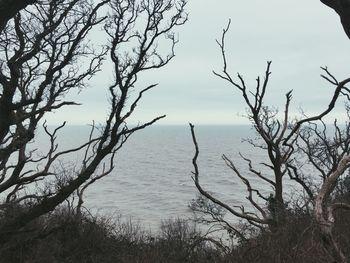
(152, 179)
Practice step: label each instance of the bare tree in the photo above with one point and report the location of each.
(43, 52)
(326, 151)
(272, 132)
(291, 147)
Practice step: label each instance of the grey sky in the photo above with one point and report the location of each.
(298, 36)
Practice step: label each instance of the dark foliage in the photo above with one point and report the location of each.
(65, 236)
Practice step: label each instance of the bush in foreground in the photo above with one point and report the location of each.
(65, 236)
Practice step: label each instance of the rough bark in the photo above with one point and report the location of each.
(324, 213)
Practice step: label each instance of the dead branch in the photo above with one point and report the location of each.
(41, 51)
(244, 215)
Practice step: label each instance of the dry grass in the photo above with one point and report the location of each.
(64, 236)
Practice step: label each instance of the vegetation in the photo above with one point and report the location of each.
(45, 54)
(313, 155)
(65, 236)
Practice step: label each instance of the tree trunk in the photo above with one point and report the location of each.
(324, 213)
(9, 8)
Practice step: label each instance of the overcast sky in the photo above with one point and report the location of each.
(298, 36)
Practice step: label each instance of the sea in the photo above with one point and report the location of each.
(152, 180)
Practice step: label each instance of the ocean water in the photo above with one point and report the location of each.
(152, 179)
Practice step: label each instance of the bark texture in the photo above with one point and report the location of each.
(324, 212)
